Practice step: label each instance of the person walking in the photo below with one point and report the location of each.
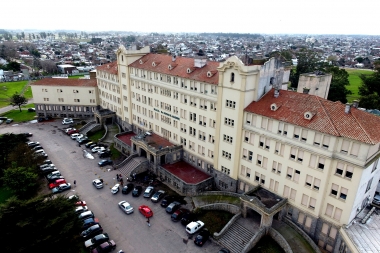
(75, 183)
(147, 221)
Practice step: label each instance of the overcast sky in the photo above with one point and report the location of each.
(240, 16)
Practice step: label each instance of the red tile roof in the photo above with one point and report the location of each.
(186, 172)
(329, 117)
(109, 68)
(66, 82)
(180, 69)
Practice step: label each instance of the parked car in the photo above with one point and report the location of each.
(106, 153)
(54, 178)
(92, 231)
(80, 203)
(67, 130)
(194, 226)
(97, 149)
(167, 200)
(42, 154)
(202, 237)
(67, 121)
(88, 144)
(61, 188)
(56, 183)
(54, 173)
(105, 162)
(38, 147)
(224, 250)
(74, 136)
(137, 191)
(126, 207)
(27, 134)
(80, 136)
(32, 144)
(31, 109)
(96, 240)
(39, 151)
(157, 196)
(86, 215)
(46, 166)
(187, 218)
(72, 131)
(81, 209)
(98, 183)
(115, 189)
(90, 222)
(84, 141)
(105, 247)
(47, 162)
(178, 214)
(376, 199)
(48, 170)
(148, 192)
(8, 121)
(173, 207)
(93, 146)
(126, 189)
(146, 211)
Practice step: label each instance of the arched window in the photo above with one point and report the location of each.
(232, 77)
(122, 58)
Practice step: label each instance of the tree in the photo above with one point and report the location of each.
(43, 223)
(369, 91)
(339, 81)
(15, 66)
(22, 181)
(18, 100)
(308, 61)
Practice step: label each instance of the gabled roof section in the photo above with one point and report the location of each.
(110, 68)
(329, 117)
(66, 82)
(180, 70)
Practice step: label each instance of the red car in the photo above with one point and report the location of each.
(146, 211)
(72, 132)
(81, 203)
(57, 183)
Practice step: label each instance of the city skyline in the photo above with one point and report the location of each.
(243, 16)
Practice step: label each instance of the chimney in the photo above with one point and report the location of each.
(174, 58)
(306, 91)
(347, 109)
(355, 103)
(276, 93)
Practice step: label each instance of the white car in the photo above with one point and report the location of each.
(97, 183)
(98, 149)
(80, 136)
(115, 189)
(74, 136)
(67, 121)
(126, 207)
(194, 226)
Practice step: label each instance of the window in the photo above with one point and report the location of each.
(337, 214)
(259, 159)
(355, 149)
(345, 146)
(289, 173)
(305, 199)
(343, 193)
(369, 185)
(333, 232)
(60, 100)
(325, 228)
(321, 163)
(308, 180)
(317, 139)
(279, 149)
(326, 141)
(312, 203)
(292, 153)
(329, 210)
(293, 194)
(229, 122)
(334, 189)
(349, 171)
(308, 222)
(232, 77)
(300, 156)
(257, 176)
(339, 169)
(297, 131)
(230, 104)
(286, 191)
(261, 141)
(301, 218)
(76, 100)
(317, 183)
(304, 135)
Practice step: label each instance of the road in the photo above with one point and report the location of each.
(130, 232)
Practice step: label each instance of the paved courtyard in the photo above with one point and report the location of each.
(130, 232)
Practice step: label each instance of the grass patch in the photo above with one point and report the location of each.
(18, 116)
(214, 220)
(115, 153)
(5, 194)
(355, 81)
(209, 199)
(97, 135)
(267, 245)
(75, 77)
(28, 106)
(28, 92)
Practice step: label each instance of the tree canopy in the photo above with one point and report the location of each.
(339, 81)
(369, 91)
(21, 181)
(308, 61)
(41, 224)
(18, 100)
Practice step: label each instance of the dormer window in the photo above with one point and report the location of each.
(232, 77)
(188, 70)
(170, 67)
(153, 64)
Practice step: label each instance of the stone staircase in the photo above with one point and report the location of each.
(127, 168)
(87, 128)
(236, 237)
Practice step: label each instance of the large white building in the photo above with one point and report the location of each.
(232, 121)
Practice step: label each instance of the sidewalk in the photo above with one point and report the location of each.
(10, 107)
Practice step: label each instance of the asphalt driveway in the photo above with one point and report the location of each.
(130, 232)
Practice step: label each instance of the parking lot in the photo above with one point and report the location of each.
(130, 232)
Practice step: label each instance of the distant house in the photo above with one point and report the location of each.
(66, 68)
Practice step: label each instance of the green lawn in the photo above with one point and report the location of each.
(18, 116)
(355, 82)
(7, 89)
(75, 77)
(4, 194)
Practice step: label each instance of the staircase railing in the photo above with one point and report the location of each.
(125, 161)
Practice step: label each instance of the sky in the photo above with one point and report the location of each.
(177, 16)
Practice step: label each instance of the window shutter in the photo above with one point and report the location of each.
(276, 186)
(304, 135)
(264, 122)
(317, 183)
(305, 199)
(265, 162)
(270, 125)
(337, 214)
(252, 139)
(317, 139)
(325, 228)
(308, 180)
(355, 149)
(308, 222)
(296, 132)
(286, 191)
(271, 184)
(345, 146)
(312, 203)
(329, 210)
(293, 194)
(326, 141)
(313, 160)
(301, 218)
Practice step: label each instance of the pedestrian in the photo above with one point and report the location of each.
(148, 222)
(75, 183)
(117, 177)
